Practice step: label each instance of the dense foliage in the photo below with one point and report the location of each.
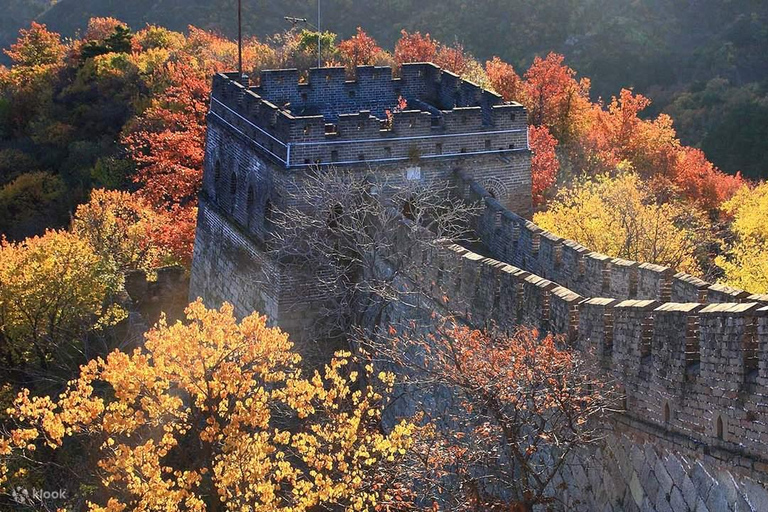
(215, 414)
(126, 111)
(101, 138)
(677, 53)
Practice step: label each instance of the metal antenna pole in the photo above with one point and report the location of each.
(240, 38)
(319, 59)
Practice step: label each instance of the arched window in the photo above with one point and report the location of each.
(232, 191)
(719, 430)
(249, 202)
(667, 413)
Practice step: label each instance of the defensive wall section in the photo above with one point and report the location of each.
(448, 124)
(690, 357)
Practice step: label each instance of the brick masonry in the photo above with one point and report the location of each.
(691, 356)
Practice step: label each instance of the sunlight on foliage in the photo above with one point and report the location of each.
(219, 410)
(619, 217)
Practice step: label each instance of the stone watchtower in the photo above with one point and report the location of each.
(263, 138)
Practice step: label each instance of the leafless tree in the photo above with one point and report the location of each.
(350, 230)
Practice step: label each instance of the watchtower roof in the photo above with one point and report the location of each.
(330, 92)
(323, 117)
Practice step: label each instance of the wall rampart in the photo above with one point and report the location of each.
(697, 370)
(329, 119)
(514, 239)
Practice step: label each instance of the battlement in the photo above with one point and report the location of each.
(692, 357)
(329, 119)
(696, 370)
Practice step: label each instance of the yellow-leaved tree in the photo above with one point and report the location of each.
(746, 262)
(620, 217)
(120, 226)
(215, 414)
(53, 288)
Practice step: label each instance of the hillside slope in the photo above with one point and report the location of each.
(663, 48)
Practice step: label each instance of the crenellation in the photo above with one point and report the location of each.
(722, 293)
(623, 278)
(654, 281)
(692, 356)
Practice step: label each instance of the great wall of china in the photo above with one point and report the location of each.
(691, 357)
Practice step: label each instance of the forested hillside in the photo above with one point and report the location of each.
(102, 142)
(116, 109)
(666, 49)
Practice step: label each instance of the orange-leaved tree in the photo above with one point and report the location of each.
(453, 58)
(126, 231)
(544, 163)
(167, 140)
(216, 414)
(415, 48)
(359, 50)
(504, 80)
(167, 143)
(514, 409)
(555, 98)
(36, 57)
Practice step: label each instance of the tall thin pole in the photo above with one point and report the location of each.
(240, 38)
(319, 58)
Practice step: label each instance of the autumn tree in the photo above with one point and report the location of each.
(105, 35)
(415, 48)
(544, 163)
(167, 140)
(216, 414)
(700, 180)
(504, 80)
(453, 58)
(37, 47)
(359, 50)
(35, 58)
(554, 97)
(745, 262)
(349, 231)
(122, 228)
(515, 409)
(620, 217)
(53, 289)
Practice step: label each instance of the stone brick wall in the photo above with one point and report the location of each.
(469, 128)
(695, 377)
(690, 355)
(166, 294)
(516, 240)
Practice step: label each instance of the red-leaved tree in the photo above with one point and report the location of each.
(359, 50)
(167, 140)
(415, 48)
(516, 407)
(544, 163)
(504, 80)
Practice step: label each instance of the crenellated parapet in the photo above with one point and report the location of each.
(325, 118)
(696, 370)
(512, 238)
(691, 357)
